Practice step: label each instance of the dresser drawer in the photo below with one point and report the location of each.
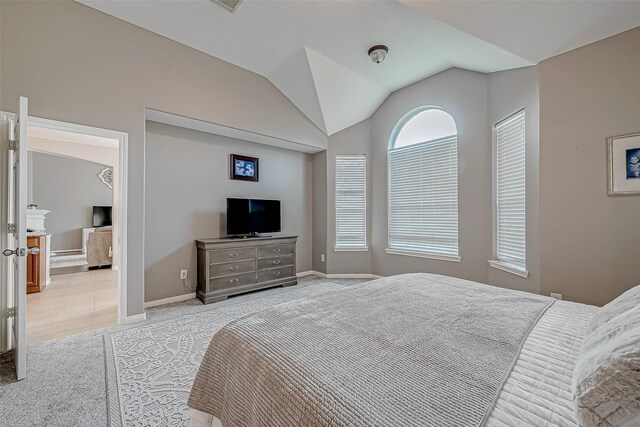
(231, 254)
(275, 273)
(280, 261)
(232, 268)
(232, 281)
(267, 251)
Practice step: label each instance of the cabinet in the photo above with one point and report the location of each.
(37, 264)
(232, 266)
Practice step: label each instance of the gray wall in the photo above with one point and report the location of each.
(49, 49)
(508, 92)
(353, 140)
(463, 94)
(588, 241)
(319, 215)
(69, 188)
(188, 183)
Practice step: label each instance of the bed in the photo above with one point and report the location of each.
(410, 350)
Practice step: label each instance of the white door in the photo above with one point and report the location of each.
(14, 230)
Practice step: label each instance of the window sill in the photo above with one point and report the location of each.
(351, 249)
(439, 257)
(509, 268)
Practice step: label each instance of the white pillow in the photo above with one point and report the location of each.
(628, 300)
(606, 379)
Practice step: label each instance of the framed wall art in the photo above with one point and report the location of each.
(623, 164)
(244, 168)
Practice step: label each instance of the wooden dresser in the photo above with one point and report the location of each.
(37, 264)
(233, 266)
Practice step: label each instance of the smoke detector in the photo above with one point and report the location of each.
(230, 5)
(378, 52)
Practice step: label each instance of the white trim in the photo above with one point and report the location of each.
(509, 268)
(123, 158)
(135, 318)
(217, 129)
(339, 275)
(170, 300)
(353, 276)
(308, 273)
(351, 249)
(439, 257)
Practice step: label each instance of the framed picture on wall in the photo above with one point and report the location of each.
(244, 168)
(623, 160)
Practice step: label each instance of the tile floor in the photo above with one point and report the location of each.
(72, 304)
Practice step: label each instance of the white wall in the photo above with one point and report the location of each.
(511, 91)
(588, 240)
(69, 188)
(353, 140)
(463, 94)
(188, 184)
(78, 65)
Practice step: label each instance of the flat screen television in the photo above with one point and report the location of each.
(101, 216)
(252, 217)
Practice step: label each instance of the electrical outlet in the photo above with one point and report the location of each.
(183, 274)
(556, 296)
(322, 258)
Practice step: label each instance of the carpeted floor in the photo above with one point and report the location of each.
(66, 383)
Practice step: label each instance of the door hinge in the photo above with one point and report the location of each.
(13, 145)
(11, 228)
(11, 312)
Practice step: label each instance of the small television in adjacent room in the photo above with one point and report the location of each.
(101, 216)
(252, 217)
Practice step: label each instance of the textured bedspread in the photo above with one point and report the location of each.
(410, 350)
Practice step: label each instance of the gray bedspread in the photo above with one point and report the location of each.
(408, 350)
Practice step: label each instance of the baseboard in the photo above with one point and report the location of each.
(135, 318)
(164, 301)
(339, 276)
(353, 276)
(310, 273)
(66, 251)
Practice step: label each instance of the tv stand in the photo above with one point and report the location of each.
(231, 266)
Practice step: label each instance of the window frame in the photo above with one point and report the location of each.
(495, 262)
(337, 247)
(390, 147)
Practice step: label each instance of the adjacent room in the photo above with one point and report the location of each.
(72, 280)
(221, 213)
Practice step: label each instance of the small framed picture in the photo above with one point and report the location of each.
(623, 162)
(244, 168)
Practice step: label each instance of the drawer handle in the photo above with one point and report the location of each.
(233, 254)
(234, 280)
(234, 268)
(277, 250)
(276, 262)
(277, 273)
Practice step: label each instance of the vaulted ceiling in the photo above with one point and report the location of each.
(315, 52)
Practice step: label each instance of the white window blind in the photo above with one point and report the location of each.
(351, 201)
(423, 198)
(510, 191)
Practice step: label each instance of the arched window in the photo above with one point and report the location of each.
(423, 185)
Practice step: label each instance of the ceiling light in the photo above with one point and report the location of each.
(378, 52)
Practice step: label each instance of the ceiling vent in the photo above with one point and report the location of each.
(230, 5)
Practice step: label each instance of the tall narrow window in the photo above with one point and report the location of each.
(351, 202)
(423, 186)
(510, 195)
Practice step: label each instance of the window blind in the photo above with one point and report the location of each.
(351, 201)
(510, 191)
(423, 198)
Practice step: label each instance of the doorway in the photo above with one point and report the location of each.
(77, 184)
